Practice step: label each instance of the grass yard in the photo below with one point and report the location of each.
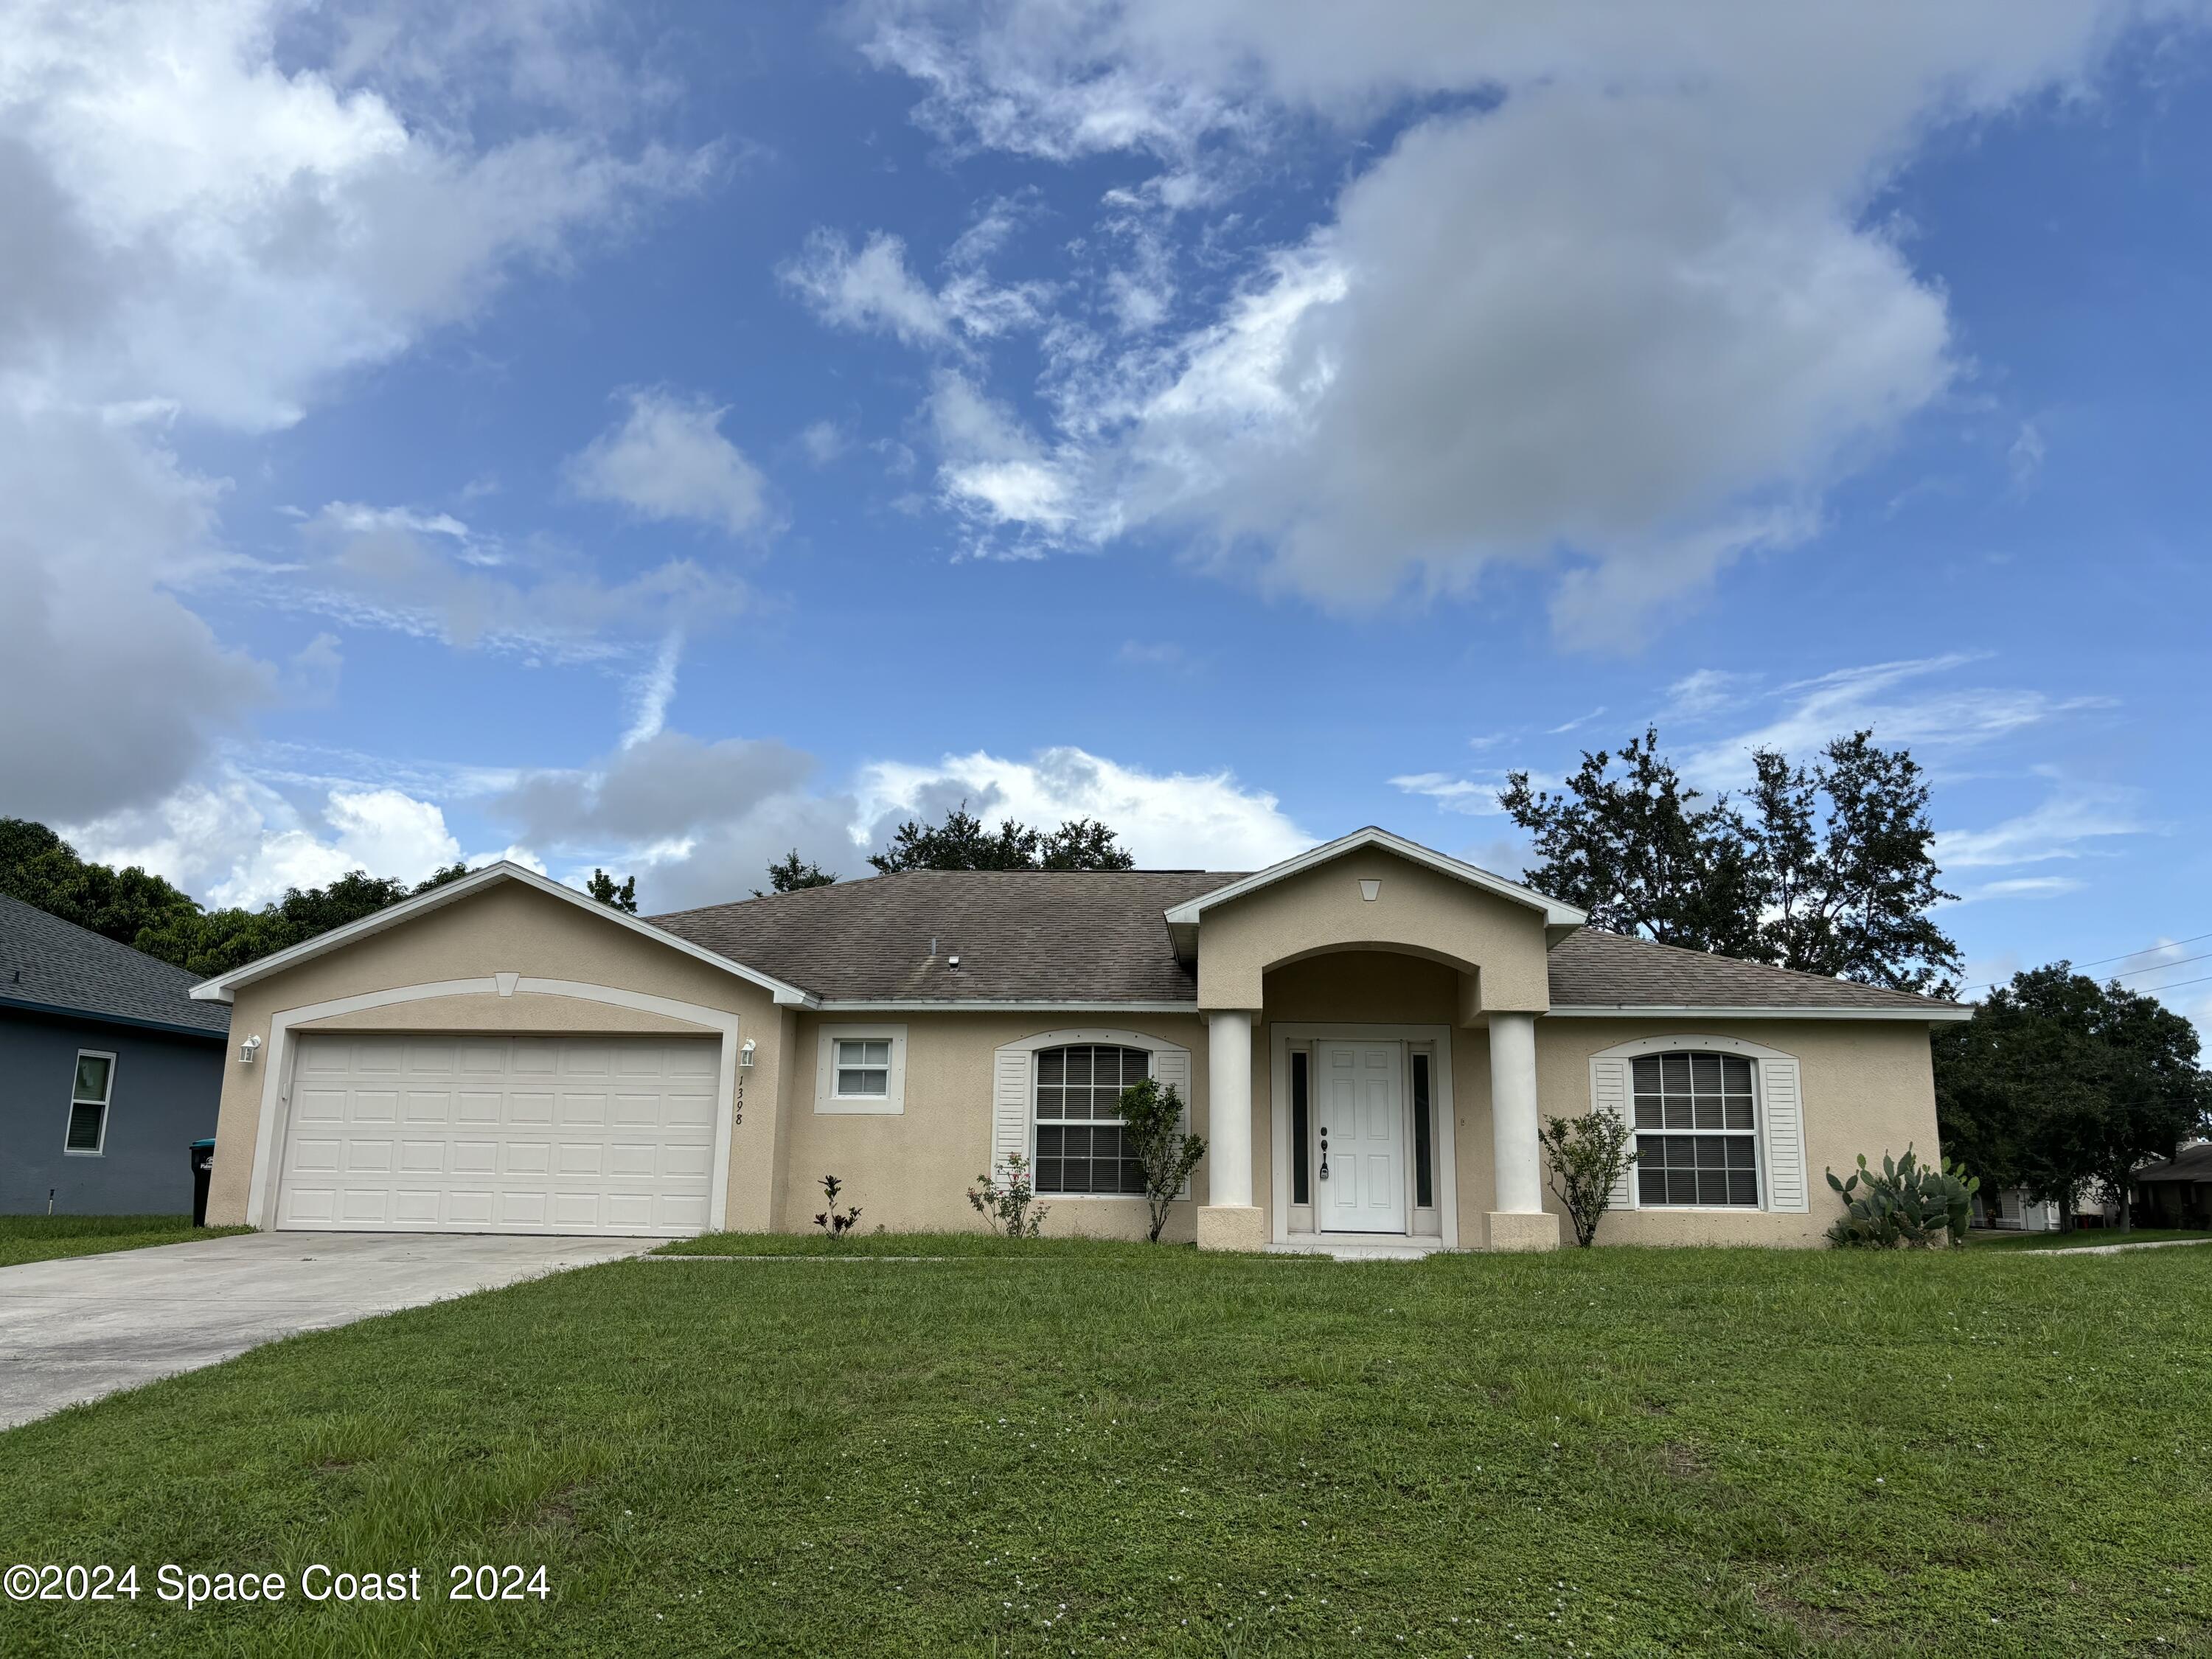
(42, 1238)
(1113, 1450)
(2080, 1238)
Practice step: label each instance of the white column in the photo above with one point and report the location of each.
(1513, 1114)
(1229, 1108)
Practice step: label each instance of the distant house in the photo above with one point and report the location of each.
(108, 1071)
(2177, 1193)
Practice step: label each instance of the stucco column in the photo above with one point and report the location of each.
(1229, 1220)
(1520, 1221)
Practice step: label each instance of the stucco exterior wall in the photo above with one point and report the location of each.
(505, 928)
(1417, 912)
(911, 1171)
(162, 1099)
(1868, 1086)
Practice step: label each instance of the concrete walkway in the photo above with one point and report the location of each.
(86, 1326)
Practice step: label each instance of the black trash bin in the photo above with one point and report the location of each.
(203, 1168)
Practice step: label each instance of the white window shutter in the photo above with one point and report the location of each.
(1009, 1108)
(1171, 1068)
(1609, 1093)
(1786, 1187)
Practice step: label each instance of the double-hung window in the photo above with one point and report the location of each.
(89, 1093)
(864, 1068)
(1696, 1121)
(1079, 1149)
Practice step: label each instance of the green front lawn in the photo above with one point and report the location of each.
(2080, 1238)
(42, 1237)
(1117, 1449)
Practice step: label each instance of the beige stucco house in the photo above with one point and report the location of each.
(1367, 1035)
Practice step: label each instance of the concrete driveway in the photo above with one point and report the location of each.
(86, 1326)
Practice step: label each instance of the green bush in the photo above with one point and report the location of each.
(1909, 1204)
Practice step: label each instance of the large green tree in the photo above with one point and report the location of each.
(962, 841)
(2058, 1082)
(41, 869)
(1827, 868)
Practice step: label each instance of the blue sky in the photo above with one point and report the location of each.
(662, 436)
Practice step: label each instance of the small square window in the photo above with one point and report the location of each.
(863, 1071)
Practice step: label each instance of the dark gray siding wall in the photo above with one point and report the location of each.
(165, 1096)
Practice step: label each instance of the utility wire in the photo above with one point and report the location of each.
(2194, 939)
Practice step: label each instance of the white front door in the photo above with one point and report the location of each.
(1362, 1133)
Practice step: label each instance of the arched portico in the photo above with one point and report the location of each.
(1353, 1098)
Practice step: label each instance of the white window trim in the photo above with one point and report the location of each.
(828, 1101)
(106, 1105)
(1031, 1046)
(1693, 1045)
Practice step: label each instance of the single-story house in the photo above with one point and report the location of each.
(109, 1071)
(2178, 1191)
(1368, 1035)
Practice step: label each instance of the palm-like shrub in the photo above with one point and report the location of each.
(1907, 1205)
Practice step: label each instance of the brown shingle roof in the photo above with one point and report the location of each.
(1040, 935)
(1048, 936)
(1590, 968)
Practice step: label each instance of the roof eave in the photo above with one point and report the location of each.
(102, 1017)
(224, 987)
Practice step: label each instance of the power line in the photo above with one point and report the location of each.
(1987, 984)
(2161, 967)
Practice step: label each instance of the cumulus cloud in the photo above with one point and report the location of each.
(235, 840)
(872, 288)
(1172, 821)
(204, 235)
(667, 459)
(1619, 308)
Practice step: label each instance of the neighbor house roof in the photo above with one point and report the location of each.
(1070, 939)
(51, 966)
(2190, 1163)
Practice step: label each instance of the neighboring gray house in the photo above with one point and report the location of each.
(108, 1071)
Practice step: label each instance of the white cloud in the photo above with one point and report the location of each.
(1452, 794)
(1889, 699)
(654, 691)
(823, 441)
(235, 840)
(667, 459)
(2027, 887)
(1706, 691)
(872, 289)
(1630, 314)
(1171, 821)
(1576, 724)
(2067, 825)
(204, 235)
(433, 577)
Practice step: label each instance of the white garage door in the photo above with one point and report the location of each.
(500, 1134)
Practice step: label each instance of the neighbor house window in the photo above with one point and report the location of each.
(1696, 1121)
(1079, 1119)
(864, 1068)
(88, 1095)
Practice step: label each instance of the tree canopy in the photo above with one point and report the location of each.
(2058, 1082)
(791, 874)
(602, 887)
(144, 911)
(1827, 869)
(963, 842)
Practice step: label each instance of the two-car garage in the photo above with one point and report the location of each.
(510, 1134)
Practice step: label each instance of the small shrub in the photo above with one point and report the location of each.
(1908, 1205)
(1588, 1155)
(1153, 1133)
(1009, 1203)
(834, 1222)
